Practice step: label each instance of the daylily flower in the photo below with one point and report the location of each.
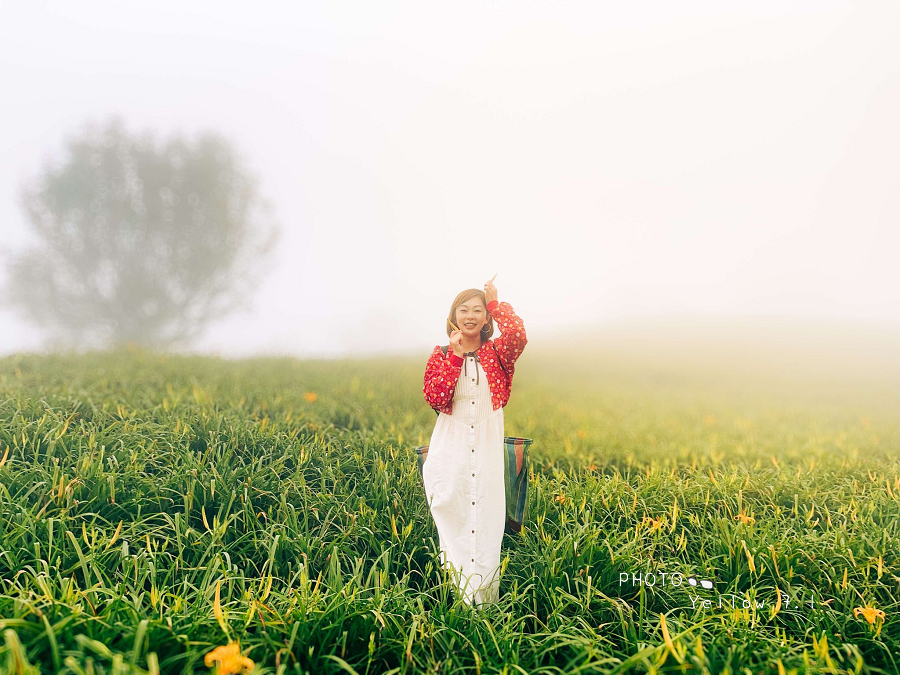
(310, 396)
(872, 615)
(744, 518)
(228, 658)
(654, 523)
(560, 498)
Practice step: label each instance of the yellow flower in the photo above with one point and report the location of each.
(229, 659)
(560, 498)
(654, 523)
(870, 614)
(310, 396)
(592, 467)
(744, 518)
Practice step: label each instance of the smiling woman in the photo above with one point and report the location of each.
(464, 475)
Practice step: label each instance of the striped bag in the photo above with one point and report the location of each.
(515, 475)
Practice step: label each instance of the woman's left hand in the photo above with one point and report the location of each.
(490, 291)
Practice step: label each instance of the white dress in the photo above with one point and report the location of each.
(464, 484)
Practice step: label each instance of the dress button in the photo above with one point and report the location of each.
(473, 503)
(473, 559)
(473, 449)
(473, 531)
(473, 475)
(473, 426)
(473, 402)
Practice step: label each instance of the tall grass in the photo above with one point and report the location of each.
(133, 485)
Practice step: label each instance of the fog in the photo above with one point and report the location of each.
(699, 164)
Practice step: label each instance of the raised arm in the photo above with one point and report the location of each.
(441, 376)
(512, 339)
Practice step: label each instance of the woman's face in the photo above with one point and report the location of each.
(471, 316)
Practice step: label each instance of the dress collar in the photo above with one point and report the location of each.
(477, 361)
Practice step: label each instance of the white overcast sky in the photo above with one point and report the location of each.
(609, 160)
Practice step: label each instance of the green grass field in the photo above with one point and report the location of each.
(135, 487)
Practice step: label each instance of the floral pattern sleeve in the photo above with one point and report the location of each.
(512, 340)
(441, 376)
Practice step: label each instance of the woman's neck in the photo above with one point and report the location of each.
(470, 345)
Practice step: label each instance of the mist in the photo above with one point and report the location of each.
(617, 166)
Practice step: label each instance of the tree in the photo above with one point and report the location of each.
(139, 243)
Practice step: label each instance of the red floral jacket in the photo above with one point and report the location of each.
(497, 358)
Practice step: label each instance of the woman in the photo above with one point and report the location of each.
(463, 474)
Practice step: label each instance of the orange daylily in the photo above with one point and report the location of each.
(744, 518)
(228, 659)
(654, 523)
(871, 615)
(560, 498)
(310, 396)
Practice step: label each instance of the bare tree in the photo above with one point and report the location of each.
(139, 243)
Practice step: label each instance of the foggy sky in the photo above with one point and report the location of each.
(609, 161)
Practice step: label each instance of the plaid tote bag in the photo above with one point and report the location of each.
(515, 475)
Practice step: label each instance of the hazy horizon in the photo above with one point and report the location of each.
(614, 164)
